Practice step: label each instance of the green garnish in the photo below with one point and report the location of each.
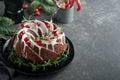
(33, 64)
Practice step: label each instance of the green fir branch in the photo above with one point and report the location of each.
(6, 27)
(49, 2)
(45, 6)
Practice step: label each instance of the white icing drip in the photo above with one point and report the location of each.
(53, 42)
(34, 44)
(17, 39)
(43, 27)
(61, 37)
(39, 47)
(53, 48)
(15, 42)
(46, 46)
(23, 37)
(35, 31)
(40, 51)
(64, 37)
(30, 35)
(25, 55)
(24, 47)
(41, 31)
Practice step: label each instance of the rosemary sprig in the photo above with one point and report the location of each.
(33, 64)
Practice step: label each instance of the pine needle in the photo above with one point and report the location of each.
(6, 27)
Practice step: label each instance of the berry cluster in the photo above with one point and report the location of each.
(39, 42)
(25, 26)
(42, 41)
(27, 41)
(26, 38)
(37, 10)
(55, 31)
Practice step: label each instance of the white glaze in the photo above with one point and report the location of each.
(44, 30)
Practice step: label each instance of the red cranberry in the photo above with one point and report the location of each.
(37, 13)
(26, 39)
(21, 34)
(25, 6)
(39, 8)
(28, 43)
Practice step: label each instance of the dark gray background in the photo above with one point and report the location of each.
(95, 34)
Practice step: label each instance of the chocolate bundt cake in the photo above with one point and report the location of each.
(39, 41)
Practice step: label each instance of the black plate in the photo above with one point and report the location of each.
(48, 70)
